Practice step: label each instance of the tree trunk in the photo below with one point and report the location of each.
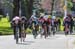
(52, 7)
(28, 8)
(16, 8)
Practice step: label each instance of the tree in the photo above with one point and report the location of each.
(6, 3)
(8, 6)
(26, 4)
(28, 7)
(52, 7)
(16, 8)
(69, 4)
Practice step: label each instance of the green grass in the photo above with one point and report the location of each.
(5, 28)
(5, 31)
(61, 27)
(4, 22)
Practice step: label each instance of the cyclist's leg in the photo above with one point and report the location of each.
(66, 30)
(53, 30)
(42, 31)
(45, 32)
(71, 29)
(34, 33)
(49, 33)
(24, 37)
(20, 30)
(14, 30)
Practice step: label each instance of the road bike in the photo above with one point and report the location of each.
(17, 34)
(23, 34)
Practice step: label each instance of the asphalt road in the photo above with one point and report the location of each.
(59, 41)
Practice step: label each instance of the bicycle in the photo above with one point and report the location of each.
(45, 31)
(66, 29)
(17, 34)
(35, 29)
(53, 29)
(23, 34)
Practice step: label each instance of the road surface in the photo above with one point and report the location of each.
(59, 41)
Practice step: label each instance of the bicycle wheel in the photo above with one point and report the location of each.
(45, 31)
(17, 35)
(66, 29)
(35, 35)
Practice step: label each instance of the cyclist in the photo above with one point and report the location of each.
(45, 25)
(49, 25)
(16, 27)
(34, 25)
(23, 28)
(53, 24)
(66, 25)
(41, 21)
